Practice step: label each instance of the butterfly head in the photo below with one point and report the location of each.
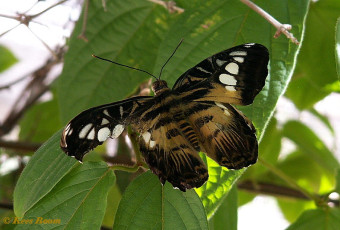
(159, 87)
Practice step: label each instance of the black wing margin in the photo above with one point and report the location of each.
(234, 76)
(93, 126)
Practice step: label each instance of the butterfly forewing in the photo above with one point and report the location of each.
(233, 76)
(93, 126)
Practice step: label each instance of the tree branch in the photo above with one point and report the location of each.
(20, 145)
(32, 92)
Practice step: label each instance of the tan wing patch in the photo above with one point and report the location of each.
(227, 136)
(172, 157)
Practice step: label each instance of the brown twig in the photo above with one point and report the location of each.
(25, 19)
(280, 28)
(271, 189)
(20, 145)
(280, 191)
(6, 206)
(82, 34)
(7, 86)
(32, 92)
(169, 5)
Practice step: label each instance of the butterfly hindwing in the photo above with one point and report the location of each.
(93, 126)
(232, 76)
(226, 135)
(172, 158)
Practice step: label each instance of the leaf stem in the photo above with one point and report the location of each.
(280, 28)
(125, 168)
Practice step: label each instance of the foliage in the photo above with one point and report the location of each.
(143, 34)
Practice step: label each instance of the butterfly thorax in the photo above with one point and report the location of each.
(159, 87)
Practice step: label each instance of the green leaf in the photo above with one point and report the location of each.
(337, 46)
(321, 219)
(40, 122)
(312, 176)
(128, 32)
(7, 58)
(323, 119)
(311, 145)
(78, 200)
(337, 178)
(293, 208)
(315, 75)
(44, 170)
(226, 215)
(146, 204)
(113, 199)
(217, 187)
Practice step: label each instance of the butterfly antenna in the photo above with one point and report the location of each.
(141, 70)
(160, 73)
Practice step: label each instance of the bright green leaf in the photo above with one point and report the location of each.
(44, 170)
(307, 172)
(146, 204)
(113, 199)
(7, 58)
(78, 200)
(315, 75)
(337, 47)
(311, 145)
(293, 208)
(226, 215)
(217, 187)
(328, 219)
(337, 188)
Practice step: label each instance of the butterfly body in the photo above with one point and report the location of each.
(194, 116)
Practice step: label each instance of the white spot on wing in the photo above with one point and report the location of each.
(248, 45)
(70, 132)
(105, 121)
(239, 59)
(203, 70)
(103, 134)
(230, 88)
(226, 112)
(84, 131)
(232, 68)
(220, 62)
(152, 144)
(227, 79)
(238, 53)
(146, 136)
(106, 113)
(117, 131)
(220, 105)
(91, 134)
(121, 111)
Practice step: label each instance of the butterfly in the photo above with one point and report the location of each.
(176, 124)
